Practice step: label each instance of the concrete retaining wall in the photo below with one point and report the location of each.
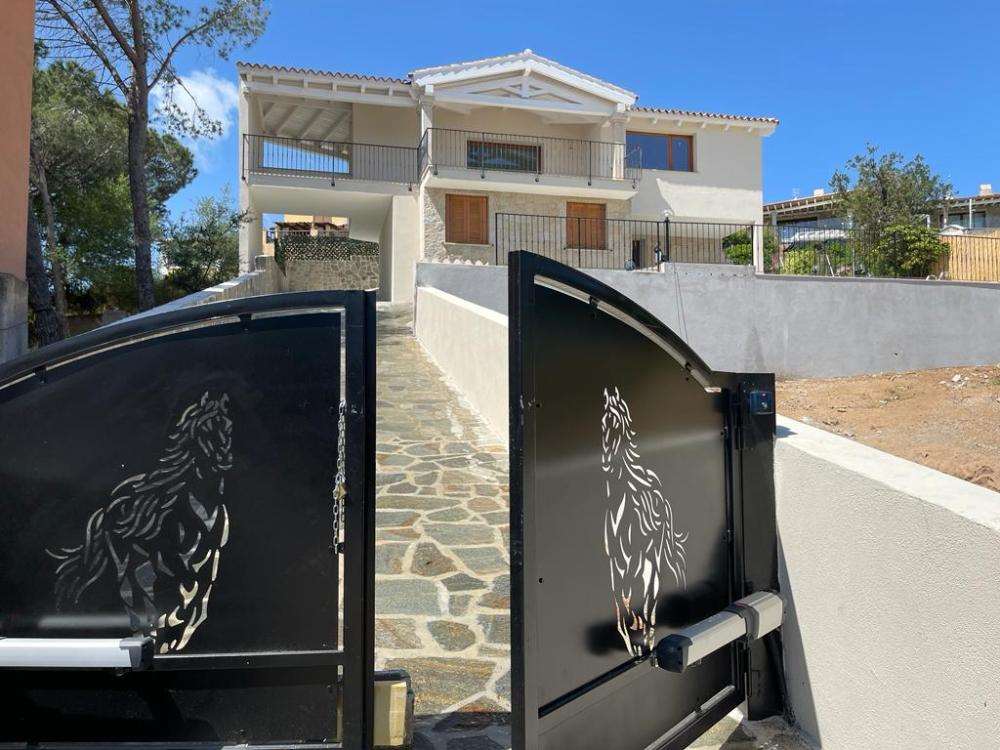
(792, 326)
(890, 573)
(469, 344)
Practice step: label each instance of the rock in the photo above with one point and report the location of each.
(389, 557)
(395, 535)
(451, 636)
(460, 533)
(451, 515)
(396, 633)
(458, 604)
(414, 502)
(407, 597)
(463, 582)
(496, 627)
(384, 518)
(483, 559)
(428, 560)
(956, 378)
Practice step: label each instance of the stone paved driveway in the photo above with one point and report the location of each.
(442, 580)
(442, 585)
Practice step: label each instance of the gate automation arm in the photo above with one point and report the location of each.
(752, 617)
(76, 653)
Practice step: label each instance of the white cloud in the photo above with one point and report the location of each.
(214, 95)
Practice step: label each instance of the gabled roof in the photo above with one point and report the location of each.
(521, 61)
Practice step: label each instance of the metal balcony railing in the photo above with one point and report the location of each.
(623, 244)
(484, 152)
(332, 160)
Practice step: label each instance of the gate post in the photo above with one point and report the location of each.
(757, 242)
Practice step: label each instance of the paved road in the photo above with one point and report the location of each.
(442, 579)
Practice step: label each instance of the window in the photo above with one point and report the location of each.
(466, 219)
(962, 219)
(507, 157)
(654, 151)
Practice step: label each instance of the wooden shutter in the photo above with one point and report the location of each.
(466, 219)
(585, 225)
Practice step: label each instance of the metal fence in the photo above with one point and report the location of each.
(332, 160)
(791, 249)
(808, 250)
(503, 152)
(623, 244)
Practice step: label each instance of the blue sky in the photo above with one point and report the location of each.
(916, 77)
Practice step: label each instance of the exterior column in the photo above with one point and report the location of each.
(757, 235)
(426, 122)
(247, 228)
(17, 35)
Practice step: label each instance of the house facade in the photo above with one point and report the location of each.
(446, 162)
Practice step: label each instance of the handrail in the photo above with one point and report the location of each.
(488, 151)
(317, 158)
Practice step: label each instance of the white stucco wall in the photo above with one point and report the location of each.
(386, 126)
(405, 243)
(469, 344)
(726, 184)
(891, 574)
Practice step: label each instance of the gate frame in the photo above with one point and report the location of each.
(749, 459)
(356, 653)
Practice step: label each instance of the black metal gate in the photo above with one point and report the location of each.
(642, 501)
(185, 482)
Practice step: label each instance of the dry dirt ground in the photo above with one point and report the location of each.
(946, 419)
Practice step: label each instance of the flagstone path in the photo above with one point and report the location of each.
(442, 600)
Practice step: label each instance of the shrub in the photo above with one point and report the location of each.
(906, 250)
(798, 262)
(738, 247)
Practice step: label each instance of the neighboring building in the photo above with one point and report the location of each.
(969, 213)
(314, 226)
(423, 165)
(17, 63)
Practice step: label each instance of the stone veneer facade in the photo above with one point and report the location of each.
(436, 249)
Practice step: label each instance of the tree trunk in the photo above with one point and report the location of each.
(52, 245)
(46, 323)
(138, 126)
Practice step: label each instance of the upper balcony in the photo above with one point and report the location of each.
(527, 162)
(448, 158)
(302, 160)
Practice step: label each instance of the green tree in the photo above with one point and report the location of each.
(202, 249)
(885, 200)
(80, 188)
(876, 190)
(133, 43)
(75, 135)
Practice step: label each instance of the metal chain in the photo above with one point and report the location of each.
(340, 483)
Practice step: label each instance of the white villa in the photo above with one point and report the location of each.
(430, 164)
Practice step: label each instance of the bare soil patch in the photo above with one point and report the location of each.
(947, 419)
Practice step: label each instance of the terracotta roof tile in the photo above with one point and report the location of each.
(313, 72)
(713, 115)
